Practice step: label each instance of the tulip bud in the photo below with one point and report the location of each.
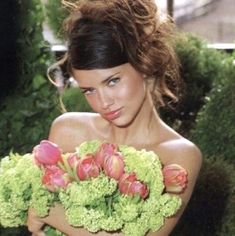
(87, 167)
(114, 165)
(105, 150)
(72, 160)
(46, 153)
(129, 185)
(175, 178)
(139, 188)
(125, 182)
(55, 178)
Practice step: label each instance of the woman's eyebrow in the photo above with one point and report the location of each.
(103, 81)
(108, 78)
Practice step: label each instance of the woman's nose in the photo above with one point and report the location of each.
(105, 100)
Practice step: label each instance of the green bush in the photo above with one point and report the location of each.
(200, 68)
(27, 112)
(21, 231)
(55, 16)
(210, 211)
(9, 35)
(214, 131)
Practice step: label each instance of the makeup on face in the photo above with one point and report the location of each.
(115, 93)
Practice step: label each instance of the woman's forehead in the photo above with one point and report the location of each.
(100, 74)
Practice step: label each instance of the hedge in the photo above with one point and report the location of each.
(214, 131)
(26, 113)
(9, 35)
(200, 68)
(210, 211)
(55, 14)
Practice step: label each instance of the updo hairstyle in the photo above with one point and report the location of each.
(103, 34)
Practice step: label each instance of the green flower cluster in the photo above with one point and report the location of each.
(95, 204)
(21, 188)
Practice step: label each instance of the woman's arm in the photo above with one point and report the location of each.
(57, 219)
(182, 152)
(187, 155)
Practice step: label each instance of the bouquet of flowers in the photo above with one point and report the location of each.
(102, 186)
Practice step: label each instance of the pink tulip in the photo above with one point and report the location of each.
(46, 153)
(105, 150)
(87, 167)
(55, 178)
(114, 165)
(128, 184)
(175, 178)
(125, 182)
(72, 160)
(139, 188)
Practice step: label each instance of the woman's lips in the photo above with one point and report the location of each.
(113, 114)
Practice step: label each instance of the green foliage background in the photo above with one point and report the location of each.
(27, 112)
(214, 131)
(200, 68)
(210, 211)
(55, 14)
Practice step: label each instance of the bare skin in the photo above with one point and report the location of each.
(140, 127)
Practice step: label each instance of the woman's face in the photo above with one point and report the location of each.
(117, 93)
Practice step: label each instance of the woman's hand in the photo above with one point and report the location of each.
(35, 223)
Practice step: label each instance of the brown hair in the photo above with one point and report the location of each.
(107, 33)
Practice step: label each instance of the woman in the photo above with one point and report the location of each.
(120, 53)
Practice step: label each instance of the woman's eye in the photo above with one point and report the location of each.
(88, 91)
(113, 81)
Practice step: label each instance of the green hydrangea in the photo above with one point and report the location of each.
(20, 188)
(95, 204)
(88, 147)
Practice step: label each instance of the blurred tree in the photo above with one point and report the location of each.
(27, 112)
(8, 32)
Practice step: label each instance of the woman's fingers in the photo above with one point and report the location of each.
(34, 223)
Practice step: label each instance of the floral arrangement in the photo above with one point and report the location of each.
(102, 186)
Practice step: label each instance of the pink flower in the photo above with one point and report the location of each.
(114, 166)
(105, 150)
(139, 188)
(55, 178)
(87, 167)
(128, 184)
(47, 153)
(72, 160)
(175, 178)
(125, 182)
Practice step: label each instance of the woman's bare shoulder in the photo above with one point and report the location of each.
(70, 129)
(180, 150)
(74, 117)
(174, 148)
(185, 153)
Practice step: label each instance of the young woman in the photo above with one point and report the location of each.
(120, 53)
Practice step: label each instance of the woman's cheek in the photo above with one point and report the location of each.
(126, 93)
(92, 102)
(121, 91)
